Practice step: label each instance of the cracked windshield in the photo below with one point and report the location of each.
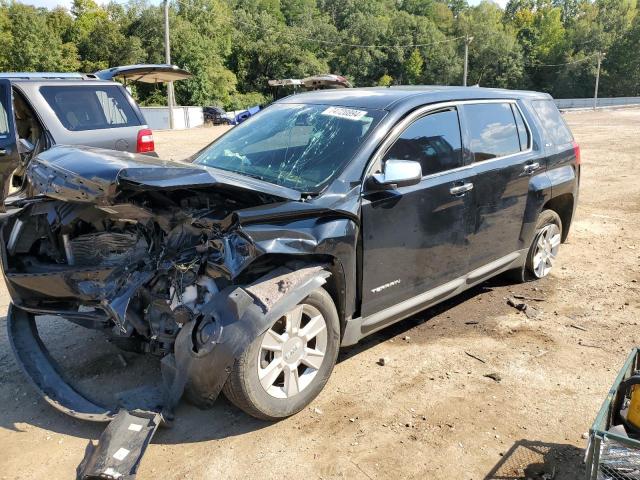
(297, 146)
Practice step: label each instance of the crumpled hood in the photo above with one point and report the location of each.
(96, 175)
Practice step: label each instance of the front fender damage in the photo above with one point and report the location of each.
(204, 353)
(206, 349)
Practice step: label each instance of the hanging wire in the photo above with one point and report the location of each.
(589, 57)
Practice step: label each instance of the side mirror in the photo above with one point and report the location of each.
(399, 173)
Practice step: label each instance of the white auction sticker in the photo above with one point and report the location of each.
(134, 427)
(348, 113)
(121, 454)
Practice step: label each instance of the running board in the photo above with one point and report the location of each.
(120, 447)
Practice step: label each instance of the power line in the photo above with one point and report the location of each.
(589, 57)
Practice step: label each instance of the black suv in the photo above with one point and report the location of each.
(324, 218)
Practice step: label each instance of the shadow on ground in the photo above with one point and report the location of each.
(534, 460)
(100, 371)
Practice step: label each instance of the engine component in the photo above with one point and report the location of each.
(104, 248)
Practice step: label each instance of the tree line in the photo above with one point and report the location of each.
(234, 46)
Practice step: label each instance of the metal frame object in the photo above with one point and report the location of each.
(609, 455)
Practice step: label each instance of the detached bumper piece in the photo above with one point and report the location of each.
(120, 448)
(38, 366)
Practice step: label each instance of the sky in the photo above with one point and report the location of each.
(67, 3)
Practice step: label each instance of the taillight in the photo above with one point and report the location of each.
(145, 141)
(576, 151)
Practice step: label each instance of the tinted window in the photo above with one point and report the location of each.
(556, 129)
(434, 141)
(4, 122)
(90, 107)
(298, 146)
(492, 129)
(523, 133)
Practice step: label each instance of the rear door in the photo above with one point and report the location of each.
(504, 161)
(9, 155)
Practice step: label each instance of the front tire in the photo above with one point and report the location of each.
(285, 368)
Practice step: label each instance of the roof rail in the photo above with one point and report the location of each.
(46, 75)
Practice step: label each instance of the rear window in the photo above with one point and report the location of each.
(492, 129)
(552, 122)
(90, 107)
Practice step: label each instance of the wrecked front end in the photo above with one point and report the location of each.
(156, 255)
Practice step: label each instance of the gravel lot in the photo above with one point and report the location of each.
(431, 412)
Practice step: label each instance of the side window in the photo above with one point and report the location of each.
(492, 130)
(523, 133)
(433, 140)
(4, 120)
(554, 126)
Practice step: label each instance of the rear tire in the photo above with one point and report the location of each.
(544, 247)
(285, 368)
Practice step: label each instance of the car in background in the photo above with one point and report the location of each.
(215, 115)
(69, 109)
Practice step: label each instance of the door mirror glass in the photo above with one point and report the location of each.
(399, 173)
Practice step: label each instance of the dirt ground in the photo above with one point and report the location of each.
(431, 412)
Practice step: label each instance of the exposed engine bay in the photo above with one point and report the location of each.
(176, 247)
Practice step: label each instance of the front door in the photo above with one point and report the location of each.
(415, 237)
(9, 155)
(504, 162)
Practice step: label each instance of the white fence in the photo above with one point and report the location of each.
(602, 102)
(183, 117)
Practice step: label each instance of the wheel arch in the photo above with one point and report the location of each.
(335, 284)
(563, 205)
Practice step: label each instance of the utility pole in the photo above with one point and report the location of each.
(467, 41)
(167, 54)
(595, 94)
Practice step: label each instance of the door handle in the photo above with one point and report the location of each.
(531, 167)
(461, 189)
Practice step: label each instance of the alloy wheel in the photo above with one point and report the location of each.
(546, 250)
(292, 351)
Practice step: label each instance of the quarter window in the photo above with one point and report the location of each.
(553, 124)
(492, 130)
(433, 140)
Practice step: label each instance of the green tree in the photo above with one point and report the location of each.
(413, 67)
(33, 44)
(385, 80)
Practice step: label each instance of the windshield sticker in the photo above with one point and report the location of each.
(348, 113)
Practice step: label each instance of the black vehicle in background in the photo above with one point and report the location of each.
(322, 219)
(215, 115)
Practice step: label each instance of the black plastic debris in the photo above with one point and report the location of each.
(120, 447)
